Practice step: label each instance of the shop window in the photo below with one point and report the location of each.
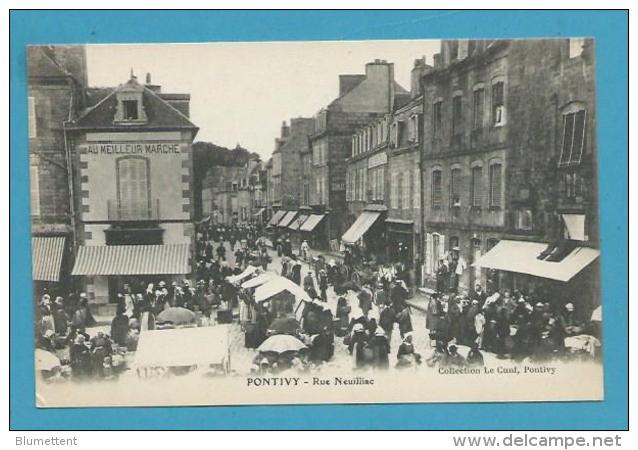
(498, 103)
(495, 186)
(455, 188)
(133, 188)
(573, 138)
(476, 194)
(436, 189)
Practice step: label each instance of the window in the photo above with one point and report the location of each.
(436, 189)
(456, 114)
(477, 108)
(571, 185)
(35, 190)
(133, 188)
(348, 198)
(394, 190)
(394, 135)
(495, 185)
(416, 189)
(498, 103)
(455, 188)
(436, 253)
(400, 189)
(381, 183)
(436, 118)
(414, 129)
(573, 140)
(32, 118)
(407, 191)
(476, 194)
(130, 109)
(524, 219)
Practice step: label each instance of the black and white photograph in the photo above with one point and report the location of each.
(389, 221)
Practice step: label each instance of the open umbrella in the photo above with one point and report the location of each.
(45, 360)
(177, 316)
(597, 315)
(284, 326)
(350, 286)
(281, 343)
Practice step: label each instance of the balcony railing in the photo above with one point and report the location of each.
(118, 211)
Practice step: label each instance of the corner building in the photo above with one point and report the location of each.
(134, 189)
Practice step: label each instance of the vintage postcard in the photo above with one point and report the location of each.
(315, 222)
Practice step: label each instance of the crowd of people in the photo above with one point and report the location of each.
(371, 321)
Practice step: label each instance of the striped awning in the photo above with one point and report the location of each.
(287, 219)
(274, 220)
(295, 224)
(360, 226)
(312, 222)
(47, 258)
(132, 260)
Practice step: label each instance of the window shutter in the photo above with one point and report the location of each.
(416, 191)
(441, 246)
(428, 253)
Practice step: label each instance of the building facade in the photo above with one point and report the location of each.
(133, 184)
(57, 79)
(509, 155)
(362, 98)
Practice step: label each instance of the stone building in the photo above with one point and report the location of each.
(362, 98)
(57, 78)
(509, 164)
(132, 181)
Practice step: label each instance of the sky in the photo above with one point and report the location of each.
(241, 92)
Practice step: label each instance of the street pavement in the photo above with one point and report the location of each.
(242, 357)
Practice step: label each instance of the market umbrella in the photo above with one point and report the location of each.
(45, 360)
(177, 316)
(281, 343)
(350, 286)
(597, 315)
(284, 326)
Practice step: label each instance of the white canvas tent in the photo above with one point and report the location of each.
(203, 346)
(277, 285)
(248, 271)
(258, 280)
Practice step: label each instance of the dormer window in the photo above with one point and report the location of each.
(130, 109)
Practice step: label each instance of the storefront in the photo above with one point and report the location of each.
(366, 236)
(134, 192)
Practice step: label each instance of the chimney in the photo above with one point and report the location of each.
(420, 68)
(153, 87)
(285, 130)
(438, 61)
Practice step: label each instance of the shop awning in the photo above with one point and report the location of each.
(260, 212)
(295, 224)
(312, 222)
(575, 226)
(287, 219)
(274, 220)
(132, 260)
(360, 226)
(521, 257)
(47, 258)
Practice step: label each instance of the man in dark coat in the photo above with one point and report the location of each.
(119, 327)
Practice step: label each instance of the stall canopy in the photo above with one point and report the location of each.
(277, 285)
(274, 220)
(258, 280)
(183, 347)
(312, 222)
(47, 258)
(248, 271)
(169, 259)
(260, 212)
(295, 224)
(360, 226)
(287, 219)
(521, 257)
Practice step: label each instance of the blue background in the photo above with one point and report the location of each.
(609, 28)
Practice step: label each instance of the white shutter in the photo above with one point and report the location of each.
(35, 190)
(441, 246)
(32, 118)
(416, 189)
(428, 253)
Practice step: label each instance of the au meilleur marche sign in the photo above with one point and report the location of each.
(133, 148)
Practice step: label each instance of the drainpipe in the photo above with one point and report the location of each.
(422, 185)
(70, 178)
